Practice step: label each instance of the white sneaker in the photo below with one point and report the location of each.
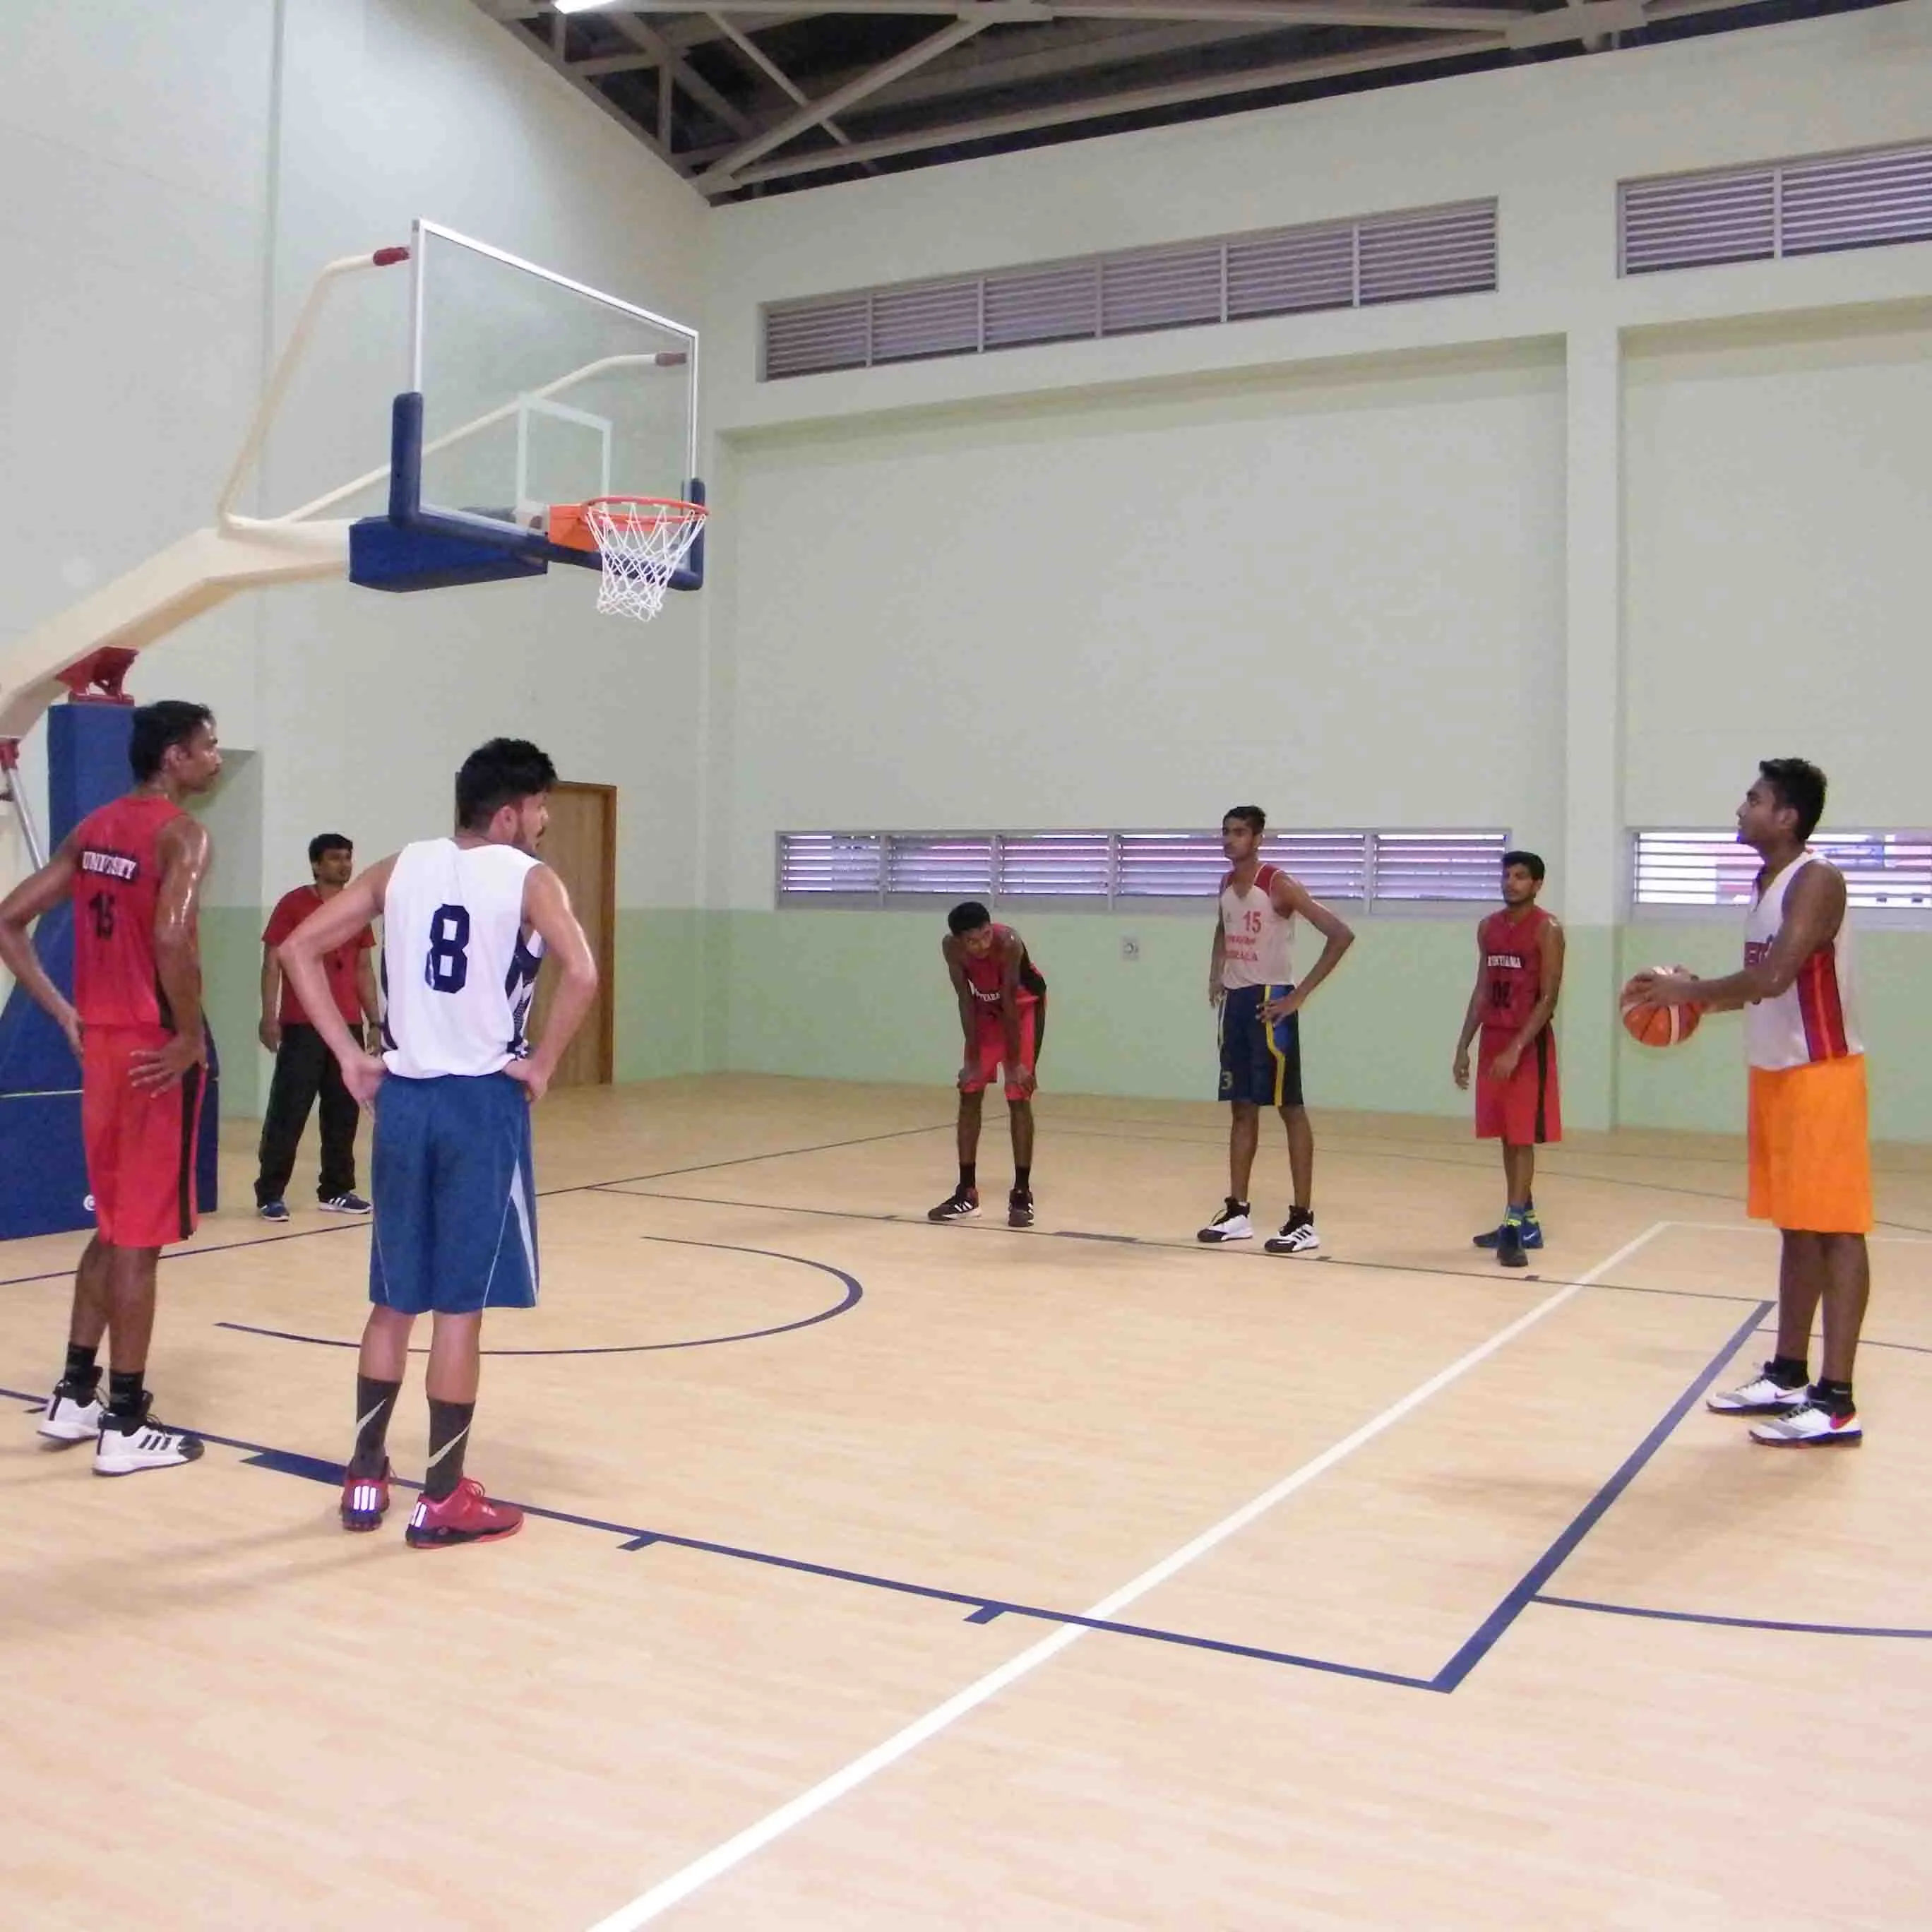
(121, 1450)
(1760, 1395)
(1298, 1236)
(1808, 1426)
(68, 1419)
(1231, 1224)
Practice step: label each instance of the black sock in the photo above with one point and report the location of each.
(1022, 1179)
(1835, 1398)
(125, 1396)
(1301, 1217)
(969, 1174)
(1789, 1371)
(375, 1403)
(83, 1374)
(1236, 1207)
(448, 1437)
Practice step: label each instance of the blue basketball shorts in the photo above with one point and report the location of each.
(455, 1196)
(1261, 1064)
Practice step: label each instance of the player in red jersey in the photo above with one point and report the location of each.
(1518, 975)
(1003, 1013)
(133, 870)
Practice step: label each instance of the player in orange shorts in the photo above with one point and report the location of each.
(1810, 1158)
(1002, 999)
(1519, 974)
(133, 870)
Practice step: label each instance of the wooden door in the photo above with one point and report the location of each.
(581, 848)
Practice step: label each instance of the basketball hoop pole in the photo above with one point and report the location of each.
(276, 387)
(12, 793)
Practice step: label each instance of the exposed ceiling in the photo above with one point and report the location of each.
(743, 100)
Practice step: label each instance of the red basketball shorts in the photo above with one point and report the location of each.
(989, 1045)
(1526, 1110)
(140, 1147)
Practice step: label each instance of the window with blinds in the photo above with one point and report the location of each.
(1886, 872)
(1409, 256)
(1810, 206)
(1098, 870)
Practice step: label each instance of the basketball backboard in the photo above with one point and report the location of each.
(525, 390)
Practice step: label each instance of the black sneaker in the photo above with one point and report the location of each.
(1019, 1208)
(962, 1204)
(1510, 1245)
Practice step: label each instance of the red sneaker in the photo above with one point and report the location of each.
(466, 1515)
(364, 1499)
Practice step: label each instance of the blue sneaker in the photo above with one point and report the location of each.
(1529, 1234)
(273, 1211)
(343, 1204)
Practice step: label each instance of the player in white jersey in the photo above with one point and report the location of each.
(465, 921)
(1251, 979)
(1810, 1159)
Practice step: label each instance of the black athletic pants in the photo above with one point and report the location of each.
(304, 1068)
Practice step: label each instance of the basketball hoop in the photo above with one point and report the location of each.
(642, 541)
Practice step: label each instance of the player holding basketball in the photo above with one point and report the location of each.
(1519, 974)
(1810, 1160)
(1002, 998)
(1251, 979)
(133, 870)
(466, 920)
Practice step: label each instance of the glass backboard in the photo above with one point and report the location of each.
(537, 390)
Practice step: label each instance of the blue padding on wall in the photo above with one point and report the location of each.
(43, 1174)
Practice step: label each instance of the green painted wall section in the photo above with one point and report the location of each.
(658, 1011)
(231, 974)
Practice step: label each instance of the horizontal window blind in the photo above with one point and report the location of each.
(1885, 872)
(1408, 256)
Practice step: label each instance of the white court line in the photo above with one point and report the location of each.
(734, 1851)
(1765, 1227)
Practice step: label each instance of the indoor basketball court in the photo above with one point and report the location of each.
(1494, 469)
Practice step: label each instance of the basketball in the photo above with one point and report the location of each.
(1660, 1026)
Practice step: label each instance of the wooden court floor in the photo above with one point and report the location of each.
(885, 1575)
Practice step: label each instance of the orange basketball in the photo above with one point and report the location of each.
(1660, 1026)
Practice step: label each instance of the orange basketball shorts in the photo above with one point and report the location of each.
(1811, 1153)
(140, 1147)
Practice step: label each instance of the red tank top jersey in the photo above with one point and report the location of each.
(984, 975)
(115, 895)
(1512, 967)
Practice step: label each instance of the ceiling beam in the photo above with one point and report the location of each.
(1289, 73)
(1026, 13)
(593, 94)
(765, 65)
(648, 40)
(718, 178)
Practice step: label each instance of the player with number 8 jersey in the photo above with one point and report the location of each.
(467, 920)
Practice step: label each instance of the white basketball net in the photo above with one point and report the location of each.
(642, 541)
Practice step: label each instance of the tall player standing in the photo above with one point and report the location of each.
(466, 920)
(1251, 979)
(1811, 1153)
(134, 869)
(1518, 975)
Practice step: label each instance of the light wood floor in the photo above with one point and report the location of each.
(1353, 1539)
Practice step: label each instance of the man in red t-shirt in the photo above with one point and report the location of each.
(133, 871)
(1518, 975)
(304, 1067)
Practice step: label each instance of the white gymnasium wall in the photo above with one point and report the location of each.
(1327, 592)
(1776, 480)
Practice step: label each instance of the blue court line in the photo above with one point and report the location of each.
(986, 1609)
(849, 1300)
(1731, 1623)
(1552, 1559)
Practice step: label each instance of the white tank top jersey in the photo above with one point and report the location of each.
(1816, 1017)
(1258, 943)
(457, 974)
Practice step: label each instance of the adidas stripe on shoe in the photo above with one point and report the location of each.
(365, 1499)
(126, 1445)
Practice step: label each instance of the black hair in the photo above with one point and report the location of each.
(1250, 815)
(328, 841)
(158, 728)
(967, 916)
(505, 772)
(1532, 862)
(1800, 786)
